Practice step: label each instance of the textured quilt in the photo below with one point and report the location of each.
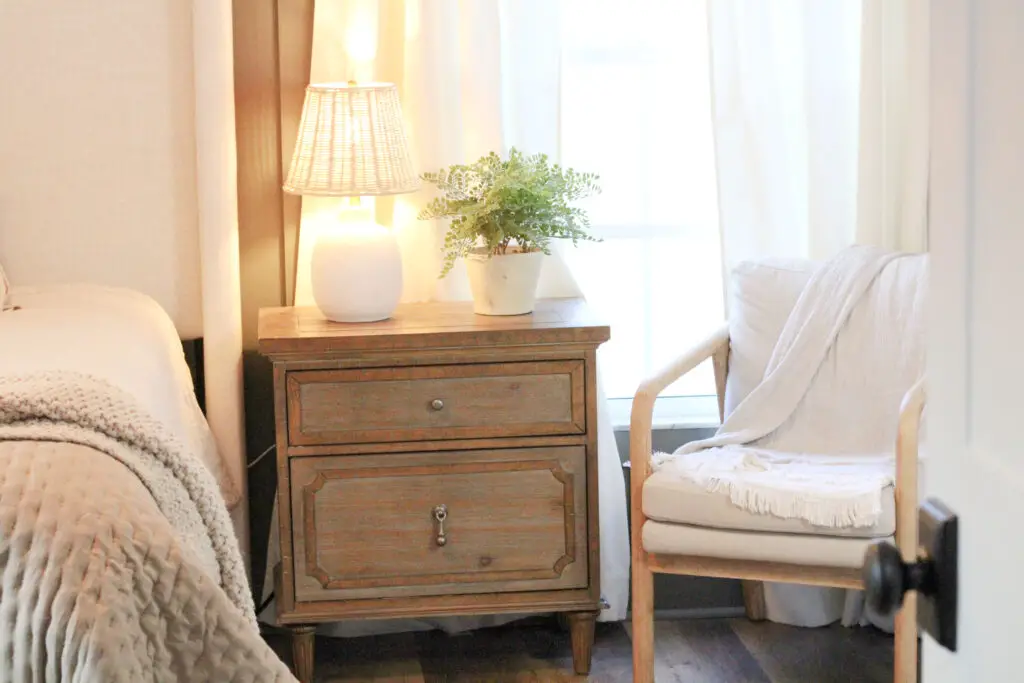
(118, 561)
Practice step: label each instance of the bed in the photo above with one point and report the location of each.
(118, 559)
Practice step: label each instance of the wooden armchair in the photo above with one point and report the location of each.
(756, 555)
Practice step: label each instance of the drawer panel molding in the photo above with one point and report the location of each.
(514, 519)
(441, 402)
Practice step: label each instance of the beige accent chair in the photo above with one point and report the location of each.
(678, 528)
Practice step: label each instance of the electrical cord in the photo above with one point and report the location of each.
(260, 457)
(264, 604)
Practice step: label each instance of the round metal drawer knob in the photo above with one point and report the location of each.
(437, 404)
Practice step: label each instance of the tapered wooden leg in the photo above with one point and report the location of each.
(753, 600)
(581, 631)
(303, 640)
(643, 619)
(905, 655)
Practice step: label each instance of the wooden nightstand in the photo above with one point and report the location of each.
(437, 463)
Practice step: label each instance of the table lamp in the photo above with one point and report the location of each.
(351, 143)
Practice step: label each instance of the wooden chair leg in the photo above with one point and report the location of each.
(643, 620)
(905, 659)
(753, 600)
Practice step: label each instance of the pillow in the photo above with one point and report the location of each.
(761, 295)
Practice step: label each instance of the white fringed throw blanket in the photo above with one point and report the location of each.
(814, 440)
(118, 561)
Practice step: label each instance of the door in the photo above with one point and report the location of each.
(975, 443)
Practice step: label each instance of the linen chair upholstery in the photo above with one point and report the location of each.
(678, 527)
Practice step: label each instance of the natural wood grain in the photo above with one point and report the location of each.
(435, 402)
(536, 651)
(720, 364)
(525, 602)
(390, 658)
(839, 577)
(364, 458)
(834, 654)
(906, 656)
(642, 577)
(410, 446)
(373, 533)
(753, 591)
(705, 652)
(285, 593)
(273, 42)
(592, 504)
(641, 419)
(753, 600)
(303, 655)
(258, 133)
(304, 331)
(331, 360)
(295, 55)
(581, 633)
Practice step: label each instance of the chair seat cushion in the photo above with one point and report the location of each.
(667, 497)
(801, 549)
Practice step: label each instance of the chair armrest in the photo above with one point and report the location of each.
(642, 415)
(907, 440)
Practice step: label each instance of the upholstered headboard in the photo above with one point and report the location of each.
(117, 167)
(97, 148)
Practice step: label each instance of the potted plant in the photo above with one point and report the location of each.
(504, 214)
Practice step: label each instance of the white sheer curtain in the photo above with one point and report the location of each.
(474, 77)
(820, 114)
(785, 101)
(893, 179)
(821, 125)
(636, 110)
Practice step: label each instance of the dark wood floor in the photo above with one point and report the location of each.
(690, 651)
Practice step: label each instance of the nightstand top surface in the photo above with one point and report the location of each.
(304, 330)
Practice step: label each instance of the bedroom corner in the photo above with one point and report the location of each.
(494, 340)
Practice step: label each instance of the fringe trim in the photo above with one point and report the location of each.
(839, 509)
(842, 511)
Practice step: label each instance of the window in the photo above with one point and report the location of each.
(636, 108)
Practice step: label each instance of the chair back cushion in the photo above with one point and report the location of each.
(761, 295)
(852, 404)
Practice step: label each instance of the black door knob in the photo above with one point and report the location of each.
(933, 575)
(887, 578)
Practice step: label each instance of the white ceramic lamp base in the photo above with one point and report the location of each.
(356, 272)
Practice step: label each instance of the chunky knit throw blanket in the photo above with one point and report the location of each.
(814, 440)
(118, 560)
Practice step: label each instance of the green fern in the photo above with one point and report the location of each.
(494, 203)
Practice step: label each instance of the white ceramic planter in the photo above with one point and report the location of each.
(505, 284)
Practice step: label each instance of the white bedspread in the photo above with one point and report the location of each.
(814, 440)
(117, 335)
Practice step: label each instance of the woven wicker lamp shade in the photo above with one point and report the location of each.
(351, 143)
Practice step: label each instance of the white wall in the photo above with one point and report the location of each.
(97, 147)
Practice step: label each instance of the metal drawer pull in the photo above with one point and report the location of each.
(437, 404)
(441, 514)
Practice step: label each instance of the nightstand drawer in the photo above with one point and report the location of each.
(435, 402)
(368, 526)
